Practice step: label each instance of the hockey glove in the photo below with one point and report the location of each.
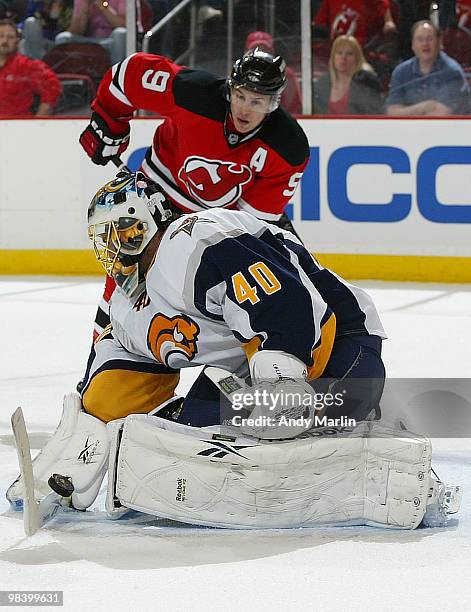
(100, 144)
(271, 410)
(282, 409)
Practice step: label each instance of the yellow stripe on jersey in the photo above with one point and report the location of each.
(252, 347)
(115, 394)
(321, 354)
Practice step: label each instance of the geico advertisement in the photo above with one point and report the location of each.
(371, 186)
(378, 186)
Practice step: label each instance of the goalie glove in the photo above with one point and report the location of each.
(281, 410)
(271, 410)
(100, 143)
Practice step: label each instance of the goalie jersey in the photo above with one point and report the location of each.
(224, 285)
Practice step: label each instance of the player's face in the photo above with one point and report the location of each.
(8, 40)
(248, 109)
(426, 43)
(345, 60)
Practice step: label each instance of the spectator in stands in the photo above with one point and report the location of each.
(360, 18)
(291, 96)
(212, 9)
(430, 83)
(13, 9)
(22, 79)
(461, 17)
(98, 21)
(350, 87)
(45, 19)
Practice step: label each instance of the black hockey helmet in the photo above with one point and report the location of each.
(259, 71)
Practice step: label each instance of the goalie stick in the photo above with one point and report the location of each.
(36, 513)
(118, 162)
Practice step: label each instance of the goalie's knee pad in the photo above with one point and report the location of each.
(78, 448)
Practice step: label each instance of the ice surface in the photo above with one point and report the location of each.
(145, 564)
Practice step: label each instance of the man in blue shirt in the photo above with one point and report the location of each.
(431, 83)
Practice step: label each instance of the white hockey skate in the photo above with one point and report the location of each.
(442, 501)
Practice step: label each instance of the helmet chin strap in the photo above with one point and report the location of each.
(146, 258)
(130, 260)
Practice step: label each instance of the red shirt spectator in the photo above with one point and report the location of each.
(359, 18)
(21, 79)
(463, 14)
(291, 96)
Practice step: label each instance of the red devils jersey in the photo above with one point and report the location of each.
(359, 18)
(195, 156)
(463, 13)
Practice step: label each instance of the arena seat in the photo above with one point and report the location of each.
(457, 44)
(79, 67)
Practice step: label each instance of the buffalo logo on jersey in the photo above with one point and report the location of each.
(213, 182)
(176, 336)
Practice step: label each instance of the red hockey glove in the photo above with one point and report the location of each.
(99, 143)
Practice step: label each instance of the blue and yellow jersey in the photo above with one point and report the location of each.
(224, 285)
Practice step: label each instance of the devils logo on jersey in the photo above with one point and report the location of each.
(172, 335)
(345, 23)
(213, 182)
(463, 10)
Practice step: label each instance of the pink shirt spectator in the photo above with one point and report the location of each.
(98, 26)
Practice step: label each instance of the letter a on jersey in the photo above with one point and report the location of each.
(213, 182)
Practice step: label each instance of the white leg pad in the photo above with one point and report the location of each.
(113, 506)
(78, 448)
(371, 476)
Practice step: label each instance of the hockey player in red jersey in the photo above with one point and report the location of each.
(224, 142)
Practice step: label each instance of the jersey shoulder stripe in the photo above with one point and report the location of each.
(118, 73)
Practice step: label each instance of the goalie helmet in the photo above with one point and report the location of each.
(123, 217)
(262, 72)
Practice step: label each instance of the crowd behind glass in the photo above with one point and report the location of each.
(370, 57)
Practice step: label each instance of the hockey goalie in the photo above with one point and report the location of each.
(281, 428)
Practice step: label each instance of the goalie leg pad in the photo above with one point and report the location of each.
(78, 448)
(168, 410)
(369, 476)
